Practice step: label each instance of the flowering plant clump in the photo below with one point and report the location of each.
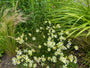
(52, 50)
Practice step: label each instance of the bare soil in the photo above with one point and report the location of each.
(6, 62)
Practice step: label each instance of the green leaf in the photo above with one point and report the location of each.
(82, 31)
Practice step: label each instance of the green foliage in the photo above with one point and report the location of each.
(36, 11)
(86, 59)
(51, 49)
(74, 16)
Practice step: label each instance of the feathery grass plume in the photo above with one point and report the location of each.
(8, 22)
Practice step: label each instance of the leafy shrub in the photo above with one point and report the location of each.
(45, 46)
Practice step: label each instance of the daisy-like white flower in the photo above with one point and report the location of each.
(18, 61)
(45, 44)
(33, 50)
(39, 46)
(37, 30)
(34, 65)
(30, 52)
(45, 22)
(63, 59)
(75, 59)
(49, 22)
(67, 32)
(33, 38)
(25, 64)
(58, 26)
(41, 28)
(76, 47)
(29, 34)
(19, 52)
(70, 57)
(49, 49)
(47, 67)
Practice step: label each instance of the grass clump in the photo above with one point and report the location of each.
(8, 22)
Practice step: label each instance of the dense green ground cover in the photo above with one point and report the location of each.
(21, 20)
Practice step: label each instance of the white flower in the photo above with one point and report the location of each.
(41, 28)
(20, 40)
(26, 38)
(42, 64)
(35, 65)
(25, 64)
(25, 50)
(43, 59)
(67, 32)
(58, 26)
(22, 35)
(56, 53)
(37, 30)
(33, 38)
(75, 59)
(29, 34)
(53, 26)
(49, 58)
(30, 65)
(63, 48)
(45, 22)
(63, 59)
(53, 31)
(47, 27)
(49, 49)
(68, 46)
(39, 46)
(71, 57)
(49, 22)
(59, 44)
(30, 52)
(31, 61)
(27, 60)
(18, 62)
(49, 38)
(54, 48)
(45, 44)
(61, 54)
(47, 67)
(14, 63)
(35, 58)
(33, 50)
(19, 52)
(18, 56)
(13, 59)
(61, 33)
(54, 59)
(26, 57)
(64, 66)
(62, 38)
(55, 36)
(76, 47)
